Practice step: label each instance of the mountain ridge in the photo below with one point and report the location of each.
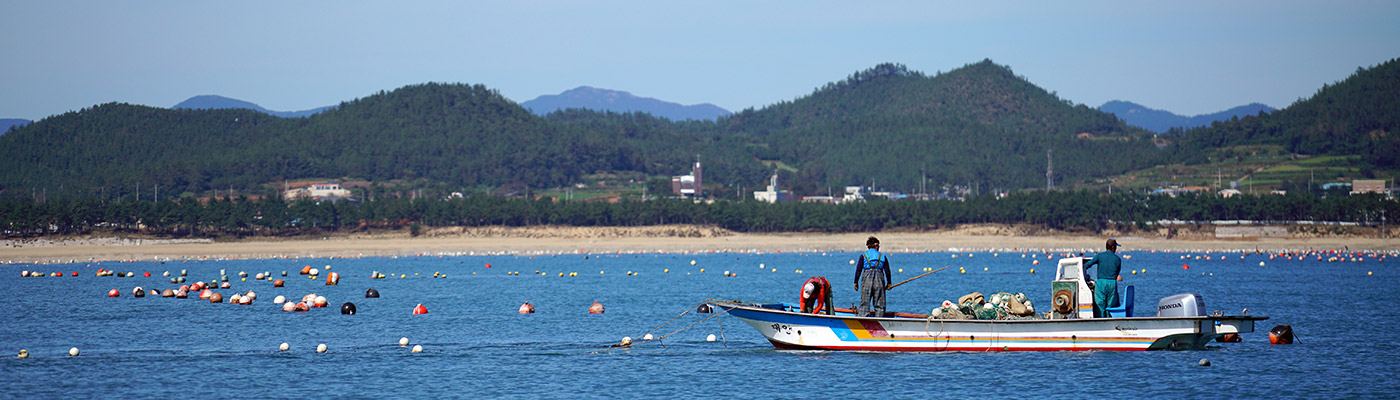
(216, 102)
(1162, 121)
(591, 98)
(7, 123)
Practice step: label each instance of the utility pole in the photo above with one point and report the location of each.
(1049, 169)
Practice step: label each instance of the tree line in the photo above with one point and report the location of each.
(1061, 210)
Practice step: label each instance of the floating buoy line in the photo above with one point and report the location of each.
(628, 342)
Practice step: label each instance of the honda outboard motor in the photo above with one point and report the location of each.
(1181, 305)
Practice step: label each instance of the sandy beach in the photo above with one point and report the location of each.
(544, 240)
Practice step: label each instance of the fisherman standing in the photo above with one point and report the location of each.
(1106, 286)
(872, 279)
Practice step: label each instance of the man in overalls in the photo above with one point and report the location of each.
(1106, 286)
(872, 279)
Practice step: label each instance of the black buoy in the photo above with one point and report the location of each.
(704, 308)
(371, 293)
(348, 308)
(1282, 334)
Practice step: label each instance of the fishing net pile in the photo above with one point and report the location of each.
(1001, 305)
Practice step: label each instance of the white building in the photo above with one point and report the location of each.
(853, 193)
(773, 195)
(317, 191)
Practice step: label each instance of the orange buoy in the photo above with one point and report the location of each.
(596, 308)
(205, 294)
(278, 283)
(167, 293)
(289, 306)
(1229, 338)
(319, 302)
(114, 293)
(527, 308)
(214, 298)
(306, 270)
(420, 309)
(332, 279)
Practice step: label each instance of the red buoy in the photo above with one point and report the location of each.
(278, 283)
(75, 273)
(527, 308)
(420, 310)
(488, 265)
(148, 274)
(1184, 266)
(113, 293)
(596, 308)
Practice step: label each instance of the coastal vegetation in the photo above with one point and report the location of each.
(1059, 210)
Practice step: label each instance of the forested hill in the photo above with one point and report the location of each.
(459, 135)
(1359, 115)
(979, 124)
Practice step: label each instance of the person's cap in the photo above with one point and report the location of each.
(1113, 242)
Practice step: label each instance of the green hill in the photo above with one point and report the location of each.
(980, 124)
(1357, 116)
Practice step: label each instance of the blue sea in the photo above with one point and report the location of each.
(475, 344)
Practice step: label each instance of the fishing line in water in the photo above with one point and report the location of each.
(627, 344)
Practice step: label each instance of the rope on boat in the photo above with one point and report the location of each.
(658, 338)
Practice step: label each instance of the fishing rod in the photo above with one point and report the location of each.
(917, 277)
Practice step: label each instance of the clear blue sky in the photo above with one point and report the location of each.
(1183, 56)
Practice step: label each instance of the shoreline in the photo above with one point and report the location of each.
(668, 239)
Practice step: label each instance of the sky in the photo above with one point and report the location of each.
(1188, 57)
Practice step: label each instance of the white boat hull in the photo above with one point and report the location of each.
(794, 330)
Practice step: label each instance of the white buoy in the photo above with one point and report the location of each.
(403, 341)
(710, 338)
(1261, 263)
(321, 348)
(279, 300)
(647, 337)
(73, 352)
(23, 354)
(692, 262)
(417, 348)
(284, 346)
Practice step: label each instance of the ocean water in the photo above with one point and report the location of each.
(477, 345)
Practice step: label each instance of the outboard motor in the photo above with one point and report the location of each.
(1181, 305)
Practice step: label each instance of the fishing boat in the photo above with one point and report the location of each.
(1181, 323)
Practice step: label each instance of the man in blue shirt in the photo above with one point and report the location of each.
(1106, 285)
(872, 279)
